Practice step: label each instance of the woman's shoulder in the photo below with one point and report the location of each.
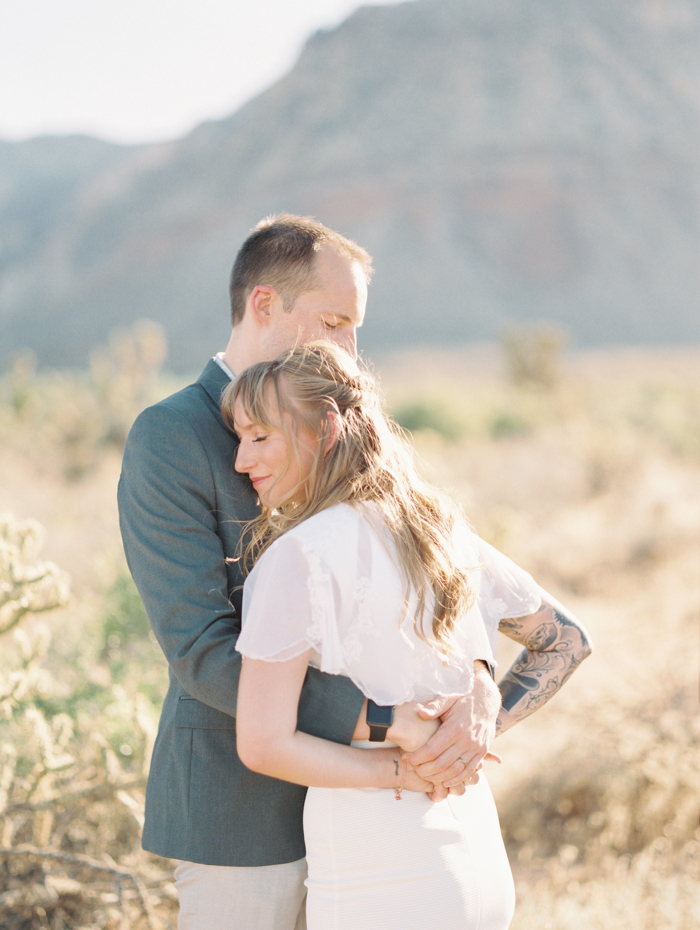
(324, 533)
(330, 521)
(323, 546)
(329, 516)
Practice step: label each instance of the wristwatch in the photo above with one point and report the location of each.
(379, 719)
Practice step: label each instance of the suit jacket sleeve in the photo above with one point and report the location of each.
(170, 512)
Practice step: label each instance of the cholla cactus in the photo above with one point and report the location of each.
(27, 584)
(72, 765)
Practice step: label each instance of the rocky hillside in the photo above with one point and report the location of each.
(504, 162)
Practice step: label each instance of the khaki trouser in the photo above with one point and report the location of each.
(216, 897)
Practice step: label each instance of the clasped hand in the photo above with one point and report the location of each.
(447, 740)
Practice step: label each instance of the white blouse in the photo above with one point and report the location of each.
(333, 584)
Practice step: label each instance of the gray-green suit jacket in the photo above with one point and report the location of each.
(181, 504)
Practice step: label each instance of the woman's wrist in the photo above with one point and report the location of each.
(391, 767)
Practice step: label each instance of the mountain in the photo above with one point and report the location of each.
(504, 162)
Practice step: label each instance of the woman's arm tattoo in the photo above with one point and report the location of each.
(555, 645)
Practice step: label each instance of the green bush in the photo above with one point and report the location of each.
(434, 414)
(504, 423)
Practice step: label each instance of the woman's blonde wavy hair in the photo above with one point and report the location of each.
(362, 455)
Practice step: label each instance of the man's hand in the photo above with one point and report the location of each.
(468, 725)
(413, 782)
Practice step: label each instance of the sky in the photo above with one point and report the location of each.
(145, 70)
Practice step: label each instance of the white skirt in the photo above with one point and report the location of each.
(376, 863)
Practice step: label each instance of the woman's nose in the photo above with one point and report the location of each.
(243, 461)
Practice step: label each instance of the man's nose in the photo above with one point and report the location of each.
(348, 341)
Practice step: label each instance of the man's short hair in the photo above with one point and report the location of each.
(281, 253)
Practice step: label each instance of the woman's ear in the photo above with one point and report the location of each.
(333, 418)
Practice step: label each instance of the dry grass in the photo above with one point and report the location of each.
(593, 486)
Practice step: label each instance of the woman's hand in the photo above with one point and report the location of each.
(411, 780)
(409, 730)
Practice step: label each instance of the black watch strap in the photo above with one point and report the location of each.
(379, 719)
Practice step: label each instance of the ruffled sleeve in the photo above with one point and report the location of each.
(288, 606)
(504, 589)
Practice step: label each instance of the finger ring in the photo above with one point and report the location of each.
(463, 761)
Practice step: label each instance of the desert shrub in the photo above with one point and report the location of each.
(73, 762)
(70, 422)
(432, 413)
(602, 841)
(21, 376)
(630, 787)
(533, 354)
(123, 375)
(671, 414)
(454, 416)
(505, 422)
(72, 417)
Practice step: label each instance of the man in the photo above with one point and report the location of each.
(239, 835)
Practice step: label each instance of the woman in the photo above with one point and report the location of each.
(366, 571)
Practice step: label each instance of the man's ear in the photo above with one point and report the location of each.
(333, 418)
(260, 302)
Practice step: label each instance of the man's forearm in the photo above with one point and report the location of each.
(555, 646)
(329, 706)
